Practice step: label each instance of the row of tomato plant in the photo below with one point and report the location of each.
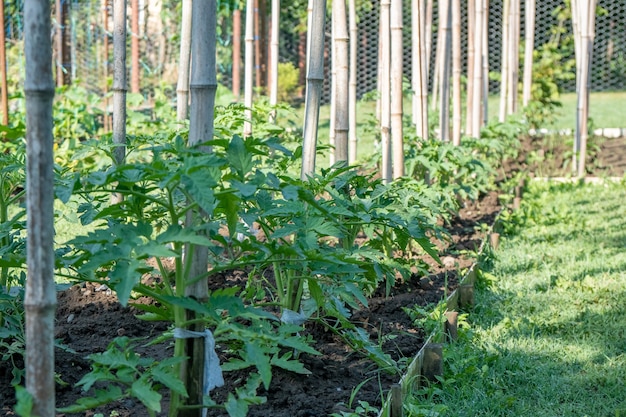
(313, 250)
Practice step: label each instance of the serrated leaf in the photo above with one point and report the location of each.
(176, 233)
(285, 362)
(101, 397)
(24, 406)
(143, 391)
(238, 156)
(236, 407)
(123, 278)
(168, 377)
(256, 355)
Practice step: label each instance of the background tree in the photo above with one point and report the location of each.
(40, 298)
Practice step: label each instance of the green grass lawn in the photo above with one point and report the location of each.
(548, 337)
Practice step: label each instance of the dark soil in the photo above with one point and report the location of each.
(88, 320)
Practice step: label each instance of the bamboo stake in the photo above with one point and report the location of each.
(4, 98)
(439, 68)
(587, 17)
(471, 51)
(340, 58)
(274, 57)
(354, 36)
(40, 298)
(485, 63)
(504, 72)
(385, 90)
(397, 97)
(514, 38)
(257, 44)
(456, 72)
(134, 46)
(203, 86)
(415, 60)
(529, 48)
(428, 28)
(119, 84)
(478, 54)
(578, 55)
(182, 87)
(249, 72)
(315, 79)
(237, 53)
(420, 72)
(445, 21)
(105, 59)
(333, 95)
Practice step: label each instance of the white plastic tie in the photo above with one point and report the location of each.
(212, 371)
(291, 317)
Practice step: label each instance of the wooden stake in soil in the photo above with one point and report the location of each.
(456, 72)
(4, 98)
(274, 57)
(341, 65)
(396, 405)
(249, 65)
(119, 85)
(494, 240)
(477, 70)
(466, 296)
(432, 365)
(445, 19)
(354, 36)
(419, 69)
(471, 51)
(40, 298)
(385, 93)
(504, 69)
(452, 326)
(237, 53)
(529, 48)
(134, 46)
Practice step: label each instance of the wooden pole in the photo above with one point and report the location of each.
(385, 90)
(203, 86)
(485, 63)
(182, 87)
(428, 28)
(439, 68)
(514, 38)
(397, 96)
(4, 99)
(445, 22)
(420, 71)
(529, 47)
(119, 80)
(134, 46)
(471, 51)
(105, 59)
(315, 80)
(40, 299)
(333, 95)
(341, 64)
(352, 116)
(274, 57)
(478, 82)
(59, 43)
(249, 68)
(237, 53)
(504, 70)
(456, 72)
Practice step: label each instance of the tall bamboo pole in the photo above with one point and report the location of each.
(428, 28)
(40, 298)
(397, 96)
(471, 45)
(504, 69)
(274, 56)
(182, 87)
(354, 36)
(586, 16)
(456, 72)
(315, 80)
(385, 90)
(249, 65)
(438, 69)
(237, 53)
(4, 98)
(485, 63)
(478, 82)
(203, 86)
(419, 70)
(333, 95)
(105, 59)
(514, 38)
(445, 19)
(134, 46)
(529, 47)
(59, 42)
(119, 80)
(341, 64)
(578, 54)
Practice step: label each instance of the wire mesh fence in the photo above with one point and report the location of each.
(159, 28)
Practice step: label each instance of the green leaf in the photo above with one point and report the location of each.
(142, 390)
(256, 355)
(229, 202)
(165, 373)
(236, 407)
(24, 406)
(286, 363)
(239, 157)
(102, 397)
(124, 276)
(176, 233)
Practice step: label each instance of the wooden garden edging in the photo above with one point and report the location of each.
(427, 364)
